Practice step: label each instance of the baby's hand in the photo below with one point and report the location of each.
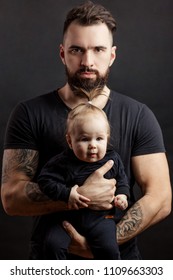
(120, 201)
(77, 200)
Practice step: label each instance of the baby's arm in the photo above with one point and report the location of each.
(77, 200)
(120, 201)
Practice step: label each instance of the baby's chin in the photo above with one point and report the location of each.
(92, 159)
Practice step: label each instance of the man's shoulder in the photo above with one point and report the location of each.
(40, 98)
(40, 104)
(124, 99)
(126, 105)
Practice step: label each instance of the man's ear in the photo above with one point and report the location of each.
(68, 138)
(61, 53)
(113, 55)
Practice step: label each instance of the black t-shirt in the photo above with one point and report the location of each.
(40, 124)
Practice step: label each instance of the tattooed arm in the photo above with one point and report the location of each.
(152, 175)
(20, 196)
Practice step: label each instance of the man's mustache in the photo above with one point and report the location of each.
(86, 69)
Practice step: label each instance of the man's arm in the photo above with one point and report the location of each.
(20, 196)
(152, 175)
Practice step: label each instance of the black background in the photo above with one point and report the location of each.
(30, 34)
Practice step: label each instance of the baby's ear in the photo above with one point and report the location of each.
(68, 139)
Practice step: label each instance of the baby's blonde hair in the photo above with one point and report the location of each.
(81, 111)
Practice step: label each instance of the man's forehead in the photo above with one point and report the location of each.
(88, 47)
(97, 33)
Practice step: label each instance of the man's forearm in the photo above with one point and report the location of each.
(44, 204)
(143, 214)
(131, 224)
(20, 196)
(26, 199)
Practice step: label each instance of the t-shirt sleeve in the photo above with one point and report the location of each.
(19, 131)
(148, 135)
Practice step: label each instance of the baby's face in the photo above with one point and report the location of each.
(89, 138)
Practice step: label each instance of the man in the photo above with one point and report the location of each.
(36, 132)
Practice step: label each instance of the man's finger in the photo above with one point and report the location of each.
(79, 244)
(70, 229)
(105, 168)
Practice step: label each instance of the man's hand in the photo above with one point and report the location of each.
(79, 244)
(99, 190)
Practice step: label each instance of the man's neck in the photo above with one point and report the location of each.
(72, 100)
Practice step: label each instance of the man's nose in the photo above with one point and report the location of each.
(87, 59)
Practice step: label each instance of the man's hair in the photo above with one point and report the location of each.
(89, 14)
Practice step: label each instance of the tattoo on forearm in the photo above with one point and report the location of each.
(130, 223)
(27, 162)
(33, 193)
(5, 176)
(20, 160)
(24, 161)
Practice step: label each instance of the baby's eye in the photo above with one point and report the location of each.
(99, 138)
(84, 139)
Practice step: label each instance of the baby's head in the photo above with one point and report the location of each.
(88, 132)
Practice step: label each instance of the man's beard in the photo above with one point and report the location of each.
(88, 85)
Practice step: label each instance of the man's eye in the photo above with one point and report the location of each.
(76, 50)
(99, 49)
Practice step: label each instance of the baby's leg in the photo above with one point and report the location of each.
(102, 239)
(56, 243)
